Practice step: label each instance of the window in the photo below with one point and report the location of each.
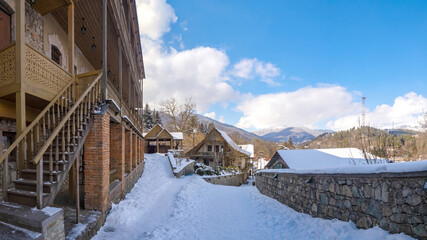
(216, 148)
(209, 148)
(56, 55)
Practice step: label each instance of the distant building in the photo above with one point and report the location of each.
(319, 158)
(218, 149)
(249, 148)
(160, 140)
(261, 163)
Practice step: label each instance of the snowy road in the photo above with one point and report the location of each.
(162, 207)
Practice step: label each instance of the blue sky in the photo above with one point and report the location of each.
(289, 63)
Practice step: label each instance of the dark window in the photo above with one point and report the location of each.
(209, 148)
(56, 54)
(216, 148)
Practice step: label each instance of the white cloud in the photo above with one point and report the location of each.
(251, 68)
(154, 17)
(195, 73)
(198, 73)
(210, 115)
(304, 107)
(406, 111)
(221, 119)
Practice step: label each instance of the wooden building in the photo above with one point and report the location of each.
(160, 140)
(218, 149)
(70, 85)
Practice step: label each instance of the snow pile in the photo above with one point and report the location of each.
(163, 207)
(401, 167)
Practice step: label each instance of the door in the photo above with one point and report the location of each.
(4, 29)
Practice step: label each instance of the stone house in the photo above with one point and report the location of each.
(70, 105)
(218, 149)
(159, 140)
(318, 158)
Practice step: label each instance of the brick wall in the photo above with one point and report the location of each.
(394, 201)
(117, 151)
(96, 164)
(128, 151)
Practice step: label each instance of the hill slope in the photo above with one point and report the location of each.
(298, 134)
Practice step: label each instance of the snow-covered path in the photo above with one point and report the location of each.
(162, 207)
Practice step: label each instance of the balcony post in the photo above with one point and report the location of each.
(104, 49)
(120, 73)
(130, 88)
(71, 39)
(20, 79)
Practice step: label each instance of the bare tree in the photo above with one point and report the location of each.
(181, 114)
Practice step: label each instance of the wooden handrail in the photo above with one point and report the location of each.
(58, 128)
(33, 123)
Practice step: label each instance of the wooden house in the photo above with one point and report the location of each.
(160, 140)
(218, 149)
(71, 76)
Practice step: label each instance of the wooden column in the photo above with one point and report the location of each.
(104, 50)
(71, 180)
(130, 89)
(120, 73)
(77, 185)
(20, 79)
(71, 39)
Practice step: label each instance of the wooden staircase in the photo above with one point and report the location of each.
(49, 146)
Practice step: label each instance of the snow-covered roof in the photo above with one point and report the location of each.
(177, 135)
(324, 158)
(232, 143)
(248, 148)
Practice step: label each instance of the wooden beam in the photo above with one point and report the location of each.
(77, 167)
(104, 49)
(120, 73)
(71, 39)
(20, 77)
(71, 180)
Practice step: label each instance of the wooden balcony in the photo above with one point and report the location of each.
(43, 77)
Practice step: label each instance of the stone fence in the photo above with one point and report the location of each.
(227, 180)
(394, 201)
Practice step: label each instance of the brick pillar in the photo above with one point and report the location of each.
(143, 149)
(128, 151)
(96, 164)
(135, 150)
(117, 151)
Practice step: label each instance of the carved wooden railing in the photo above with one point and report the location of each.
(7, 65)
(43, 73)
(44, 77)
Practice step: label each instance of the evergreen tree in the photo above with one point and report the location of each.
(147, 117)
(290, 143)
(157, 119)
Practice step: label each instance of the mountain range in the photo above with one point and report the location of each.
(298, 134)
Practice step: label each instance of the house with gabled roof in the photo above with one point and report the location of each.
(218, 149)
(160, 140)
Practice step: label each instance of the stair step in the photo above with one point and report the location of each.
(30, 185)
(31, 174)
(9, 231)
(24, 197)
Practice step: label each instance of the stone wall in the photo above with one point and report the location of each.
(34, 26)
(228, 180)
(394, 201)
(187, 170)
